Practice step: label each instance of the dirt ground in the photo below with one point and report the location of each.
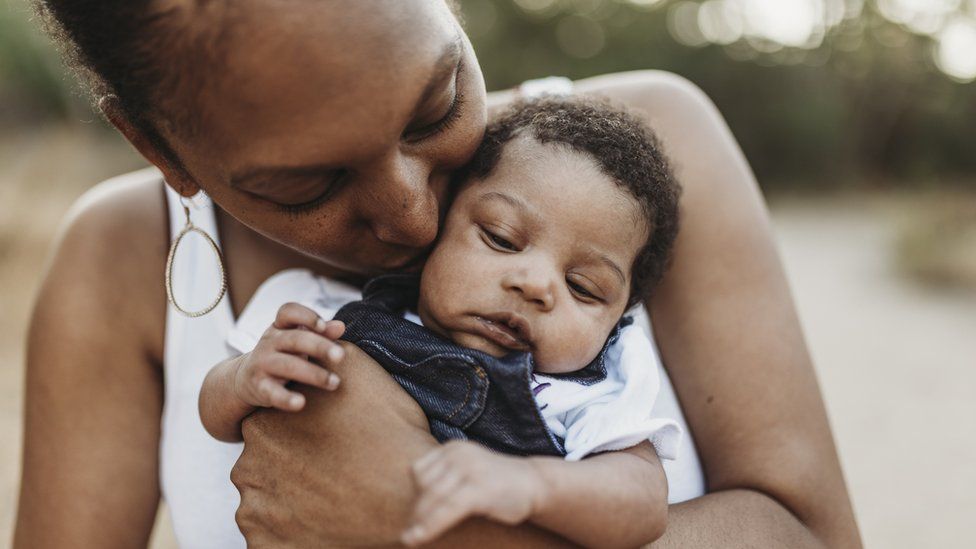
(896, 361)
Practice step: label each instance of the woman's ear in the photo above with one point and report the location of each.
(174, 174)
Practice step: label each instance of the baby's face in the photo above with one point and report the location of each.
(536, 258)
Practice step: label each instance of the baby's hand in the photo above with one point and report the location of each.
(283, 354)
(463, 479)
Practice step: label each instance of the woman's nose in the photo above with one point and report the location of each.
(401, 208)
(533, 286)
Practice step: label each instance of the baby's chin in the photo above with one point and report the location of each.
(470, 341)
(543, 362)
(558, 367)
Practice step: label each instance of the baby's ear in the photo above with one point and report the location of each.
(151, 149)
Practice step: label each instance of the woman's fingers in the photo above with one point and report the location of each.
(293, 368)
(300, 342)
(276, 396)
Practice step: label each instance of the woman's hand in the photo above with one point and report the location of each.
(335, 472)
(338, 472)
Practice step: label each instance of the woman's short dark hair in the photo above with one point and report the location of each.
(624, 148)
(131, 49)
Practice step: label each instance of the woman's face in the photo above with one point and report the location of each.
(333, 129)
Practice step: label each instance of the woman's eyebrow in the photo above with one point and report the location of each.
(444, 67)
(255, 178)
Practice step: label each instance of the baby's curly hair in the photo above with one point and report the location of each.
(624, 148)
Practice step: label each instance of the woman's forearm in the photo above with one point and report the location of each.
(729, 335)
(735, 518)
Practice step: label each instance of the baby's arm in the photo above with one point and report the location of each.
(236, 386)
(614, 499)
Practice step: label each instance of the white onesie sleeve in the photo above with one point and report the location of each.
(614, 413)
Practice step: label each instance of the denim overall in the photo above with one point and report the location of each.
(466, 394)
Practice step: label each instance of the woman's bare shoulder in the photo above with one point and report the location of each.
(116, 202)
(703, 151)
(110, 255)
(657, 92)
(652, 90)
(119, 227)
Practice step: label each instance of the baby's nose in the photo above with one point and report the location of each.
(537, 290)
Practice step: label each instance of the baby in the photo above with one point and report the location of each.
(513, 336)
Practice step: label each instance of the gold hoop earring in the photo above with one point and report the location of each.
(187, 229)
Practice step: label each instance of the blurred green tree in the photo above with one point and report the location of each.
(818, 92)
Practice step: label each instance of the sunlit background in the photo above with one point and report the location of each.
(858, 119)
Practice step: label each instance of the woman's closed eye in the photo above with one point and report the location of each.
(329, 189)
(447, 120)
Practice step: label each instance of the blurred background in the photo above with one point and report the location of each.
(857, 117)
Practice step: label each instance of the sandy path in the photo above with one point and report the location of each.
(896, 362)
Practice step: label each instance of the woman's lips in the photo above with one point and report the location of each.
(507, 330)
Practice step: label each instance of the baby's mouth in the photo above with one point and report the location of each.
(507, 330)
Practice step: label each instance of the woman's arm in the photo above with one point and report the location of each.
(94, 384)
(338, 472)
(728, 333)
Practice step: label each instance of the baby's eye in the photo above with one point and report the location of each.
(498, 242)
(581, 292)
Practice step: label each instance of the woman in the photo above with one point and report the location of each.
(326, 134)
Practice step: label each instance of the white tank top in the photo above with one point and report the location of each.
(194, 467)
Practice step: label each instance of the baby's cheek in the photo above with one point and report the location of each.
(568, 351)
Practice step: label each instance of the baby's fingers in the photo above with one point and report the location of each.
(434, 496)
(292, 368)
(300, 342)
(334, 329)
(438, 518)
(276, 396)
(293, 315)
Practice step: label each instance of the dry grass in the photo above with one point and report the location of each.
(937, 242)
